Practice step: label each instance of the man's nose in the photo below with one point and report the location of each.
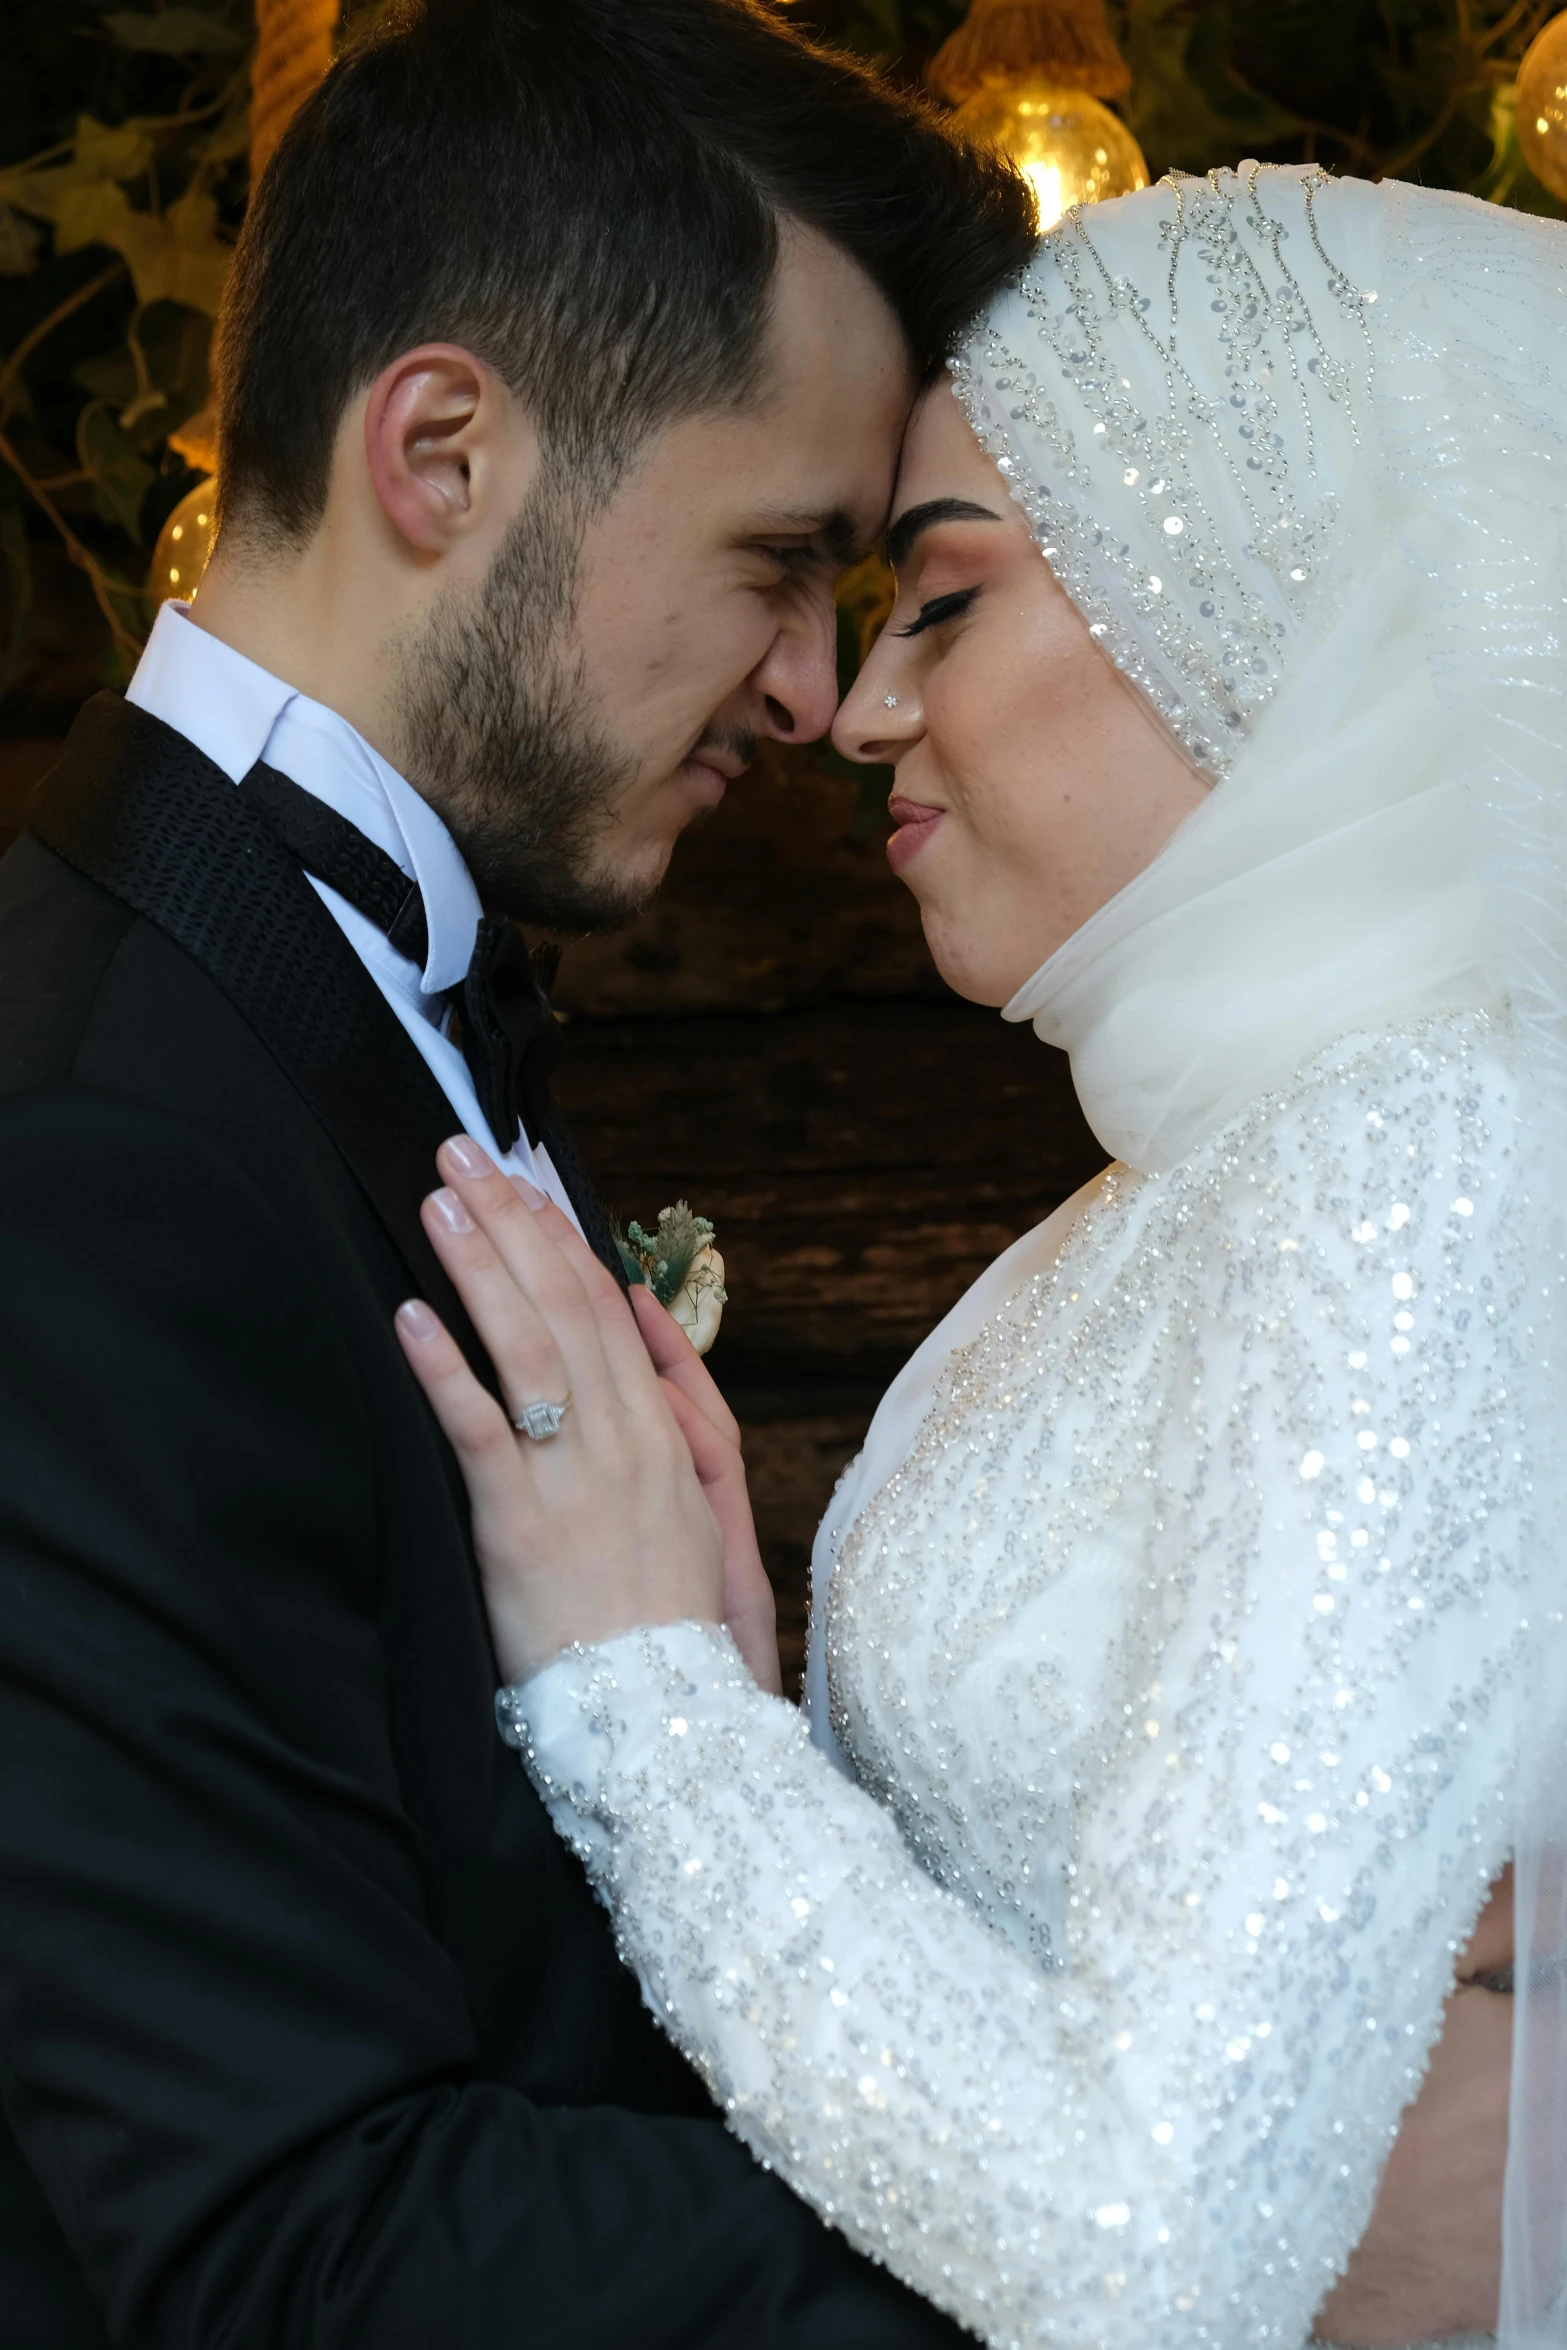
(798, 678)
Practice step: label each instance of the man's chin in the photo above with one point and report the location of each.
(596, 905)
(581, 900)
(703, 788)
(625, 884)
(625, 889)
(630, 890)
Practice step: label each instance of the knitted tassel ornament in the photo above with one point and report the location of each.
(293, 52)
(1066, 42)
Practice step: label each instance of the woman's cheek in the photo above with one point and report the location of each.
(967, 722)
(980, 898)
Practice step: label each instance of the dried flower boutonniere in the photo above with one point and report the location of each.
(680, 1265)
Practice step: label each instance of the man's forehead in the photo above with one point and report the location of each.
(810, 459)
(823, 298)
(817, 475)
(835, 357)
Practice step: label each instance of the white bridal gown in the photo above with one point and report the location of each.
(1177, 1625)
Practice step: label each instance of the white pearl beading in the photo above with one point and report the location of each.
(1194, 577)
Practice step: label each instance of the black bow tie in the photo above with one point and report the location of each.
(502, 1013)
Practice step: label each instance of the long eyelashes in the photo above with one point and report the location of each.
(939, 609)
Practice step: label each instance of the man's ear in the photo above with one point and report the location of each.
(443, 440)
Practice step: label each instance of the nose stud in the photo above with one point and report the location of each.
(892, 701)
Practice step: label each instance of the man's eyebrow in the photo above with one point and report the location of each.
(902, 534)
(842, 537)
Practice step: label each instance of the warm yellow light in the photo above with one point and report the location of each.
(1542, 106)
(1069, 148)
(1045, 181)
(184, 543)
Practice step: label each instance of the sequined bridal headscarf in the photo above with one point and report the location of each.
(1297, 449)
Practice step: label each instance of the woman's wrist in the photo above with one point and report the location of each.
(536, 1626)
(580, 1717)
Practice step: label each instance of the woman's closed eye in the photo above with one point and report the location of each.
(939, 609)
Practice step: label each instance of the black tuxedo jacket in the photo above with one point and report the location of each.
(311, 2034)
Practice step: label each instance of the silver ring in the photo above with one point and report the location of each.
(541, 1421)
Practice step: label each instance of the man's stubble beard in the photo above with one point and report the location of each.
(498, 732)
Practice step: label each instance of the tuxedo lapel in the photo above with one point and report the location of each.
(140, 811)
(592, 1215)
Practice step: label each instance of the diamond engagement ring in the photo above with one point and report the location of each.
(540, 1421)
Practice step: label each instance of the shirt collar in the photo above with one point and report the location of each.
(237, 712)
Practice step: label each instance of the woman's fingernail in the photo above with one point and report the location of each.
(467, 1157)
(450, 1210)
(530, 1192)
(418, 1321)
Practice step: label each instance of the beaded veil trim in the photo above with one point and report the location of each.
(1204, 635)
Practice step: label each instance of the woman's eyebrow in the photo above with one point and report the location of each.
(902, 534)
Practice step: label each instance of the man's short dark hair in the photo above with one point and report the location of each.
(586, 194)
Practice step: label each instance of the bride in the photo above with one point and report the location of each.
(1189, 1636)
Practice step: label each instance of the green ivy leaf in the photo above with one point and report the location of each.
(1187, 106)
(102, 156)
(111, 151)
(203, 257)
(174, 32)
(110, 376)
(231, 137)
(175, 344)
(178, 344)
(174, 256)
(19, 243)
(121, 477)
(96, 214)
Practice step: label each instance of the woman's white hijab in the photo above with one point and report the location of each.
(1297, 449)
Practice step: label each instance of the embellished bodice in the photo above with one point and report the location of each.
(1182, 1651)
(1288, 1359)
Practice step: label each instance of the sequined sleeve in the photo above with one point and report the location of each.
(907, 2071)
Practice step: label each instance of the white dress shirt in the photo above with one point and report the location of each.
(237, 713)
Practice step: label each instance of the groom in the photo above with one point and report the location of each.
(567, 354)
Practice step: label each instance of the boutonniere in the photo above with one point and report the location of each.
(680, 1265)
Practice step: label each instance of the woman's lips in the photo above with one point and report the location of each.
(915, 825)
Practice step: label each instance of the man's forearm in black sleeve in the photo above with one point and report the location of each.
(235, 2055)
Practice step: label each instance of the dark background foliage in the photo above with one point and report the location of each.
(123, 138)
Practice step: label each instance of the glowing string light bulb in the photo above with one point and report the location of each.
(184, 543)
(1069, 148)
(1542, 106)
